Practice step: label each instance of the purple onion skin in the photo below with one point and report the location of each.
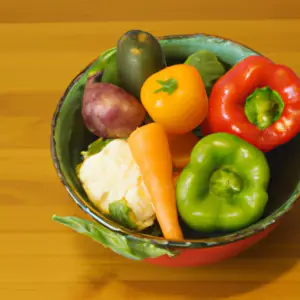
(109, 111)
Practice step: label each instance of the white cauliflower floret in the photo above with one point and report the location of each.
(112, 175)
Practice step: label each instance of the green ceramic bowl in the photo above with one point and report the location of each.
(69, 137)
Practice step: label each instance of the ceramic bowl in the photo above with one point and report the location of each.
(69, 137)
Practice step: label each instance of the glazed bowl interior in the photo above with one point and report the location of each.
(70, 137)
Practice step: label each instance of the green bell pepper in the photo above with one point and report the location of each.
(224, 186)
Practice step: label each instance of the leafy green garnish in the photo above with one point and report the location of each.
(120, 212)
(96, 147)
(209, 67)
(101, 62)
(110, 73)
(120, 244)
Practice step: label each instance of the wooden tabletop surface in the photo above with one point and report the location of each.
(44, 44)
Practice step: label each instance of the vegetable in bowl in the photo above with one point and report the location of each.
(258, 101)
(225, 182)
(209, 67)
(68, 125)
(121, 193)
(175, 97)
(109, 111)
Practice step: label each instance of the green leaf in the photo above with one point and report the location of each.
(96, 147)
(208, 65)
(101, 62)
(147, 250)
(120, 212)
(118, 243)
(110, 73)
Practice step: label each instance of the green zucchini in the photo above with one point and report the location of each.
(139, 55)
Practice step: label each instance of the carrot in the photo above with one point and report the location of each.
(181, 146)
(150, 150)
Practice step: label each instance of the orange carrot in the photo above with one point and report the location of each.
(150, 149)
(181, 147)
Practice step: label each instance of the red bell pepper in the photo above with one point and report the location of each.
(257, 100)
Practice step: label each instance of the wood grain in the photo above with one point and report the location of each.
(94, 10)
(43, 46)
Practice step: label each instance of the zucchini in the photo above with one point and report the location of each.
(139, 55)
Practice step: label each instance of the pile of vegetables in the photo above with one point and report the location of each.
(149, 164)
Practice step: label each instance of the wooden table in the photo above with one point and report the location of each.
(43, 46)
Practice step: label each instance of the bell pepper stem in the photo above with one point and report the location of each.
(263, 107)
(225, 182)
(167, 86)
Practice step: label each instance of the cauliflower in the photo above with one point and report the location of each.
(113, 182)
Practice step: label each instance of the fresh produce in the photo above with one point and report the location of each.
(99, 64)
(109, 111)
(118, 243)
(208, 66)
(95, 147)
(145, 177)
(150, 150)
(224, 187)
(210, 69)
(175, 97)
(139, 55)
(267, 118)
(110, 73)
(181, 146)
(112, 181)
